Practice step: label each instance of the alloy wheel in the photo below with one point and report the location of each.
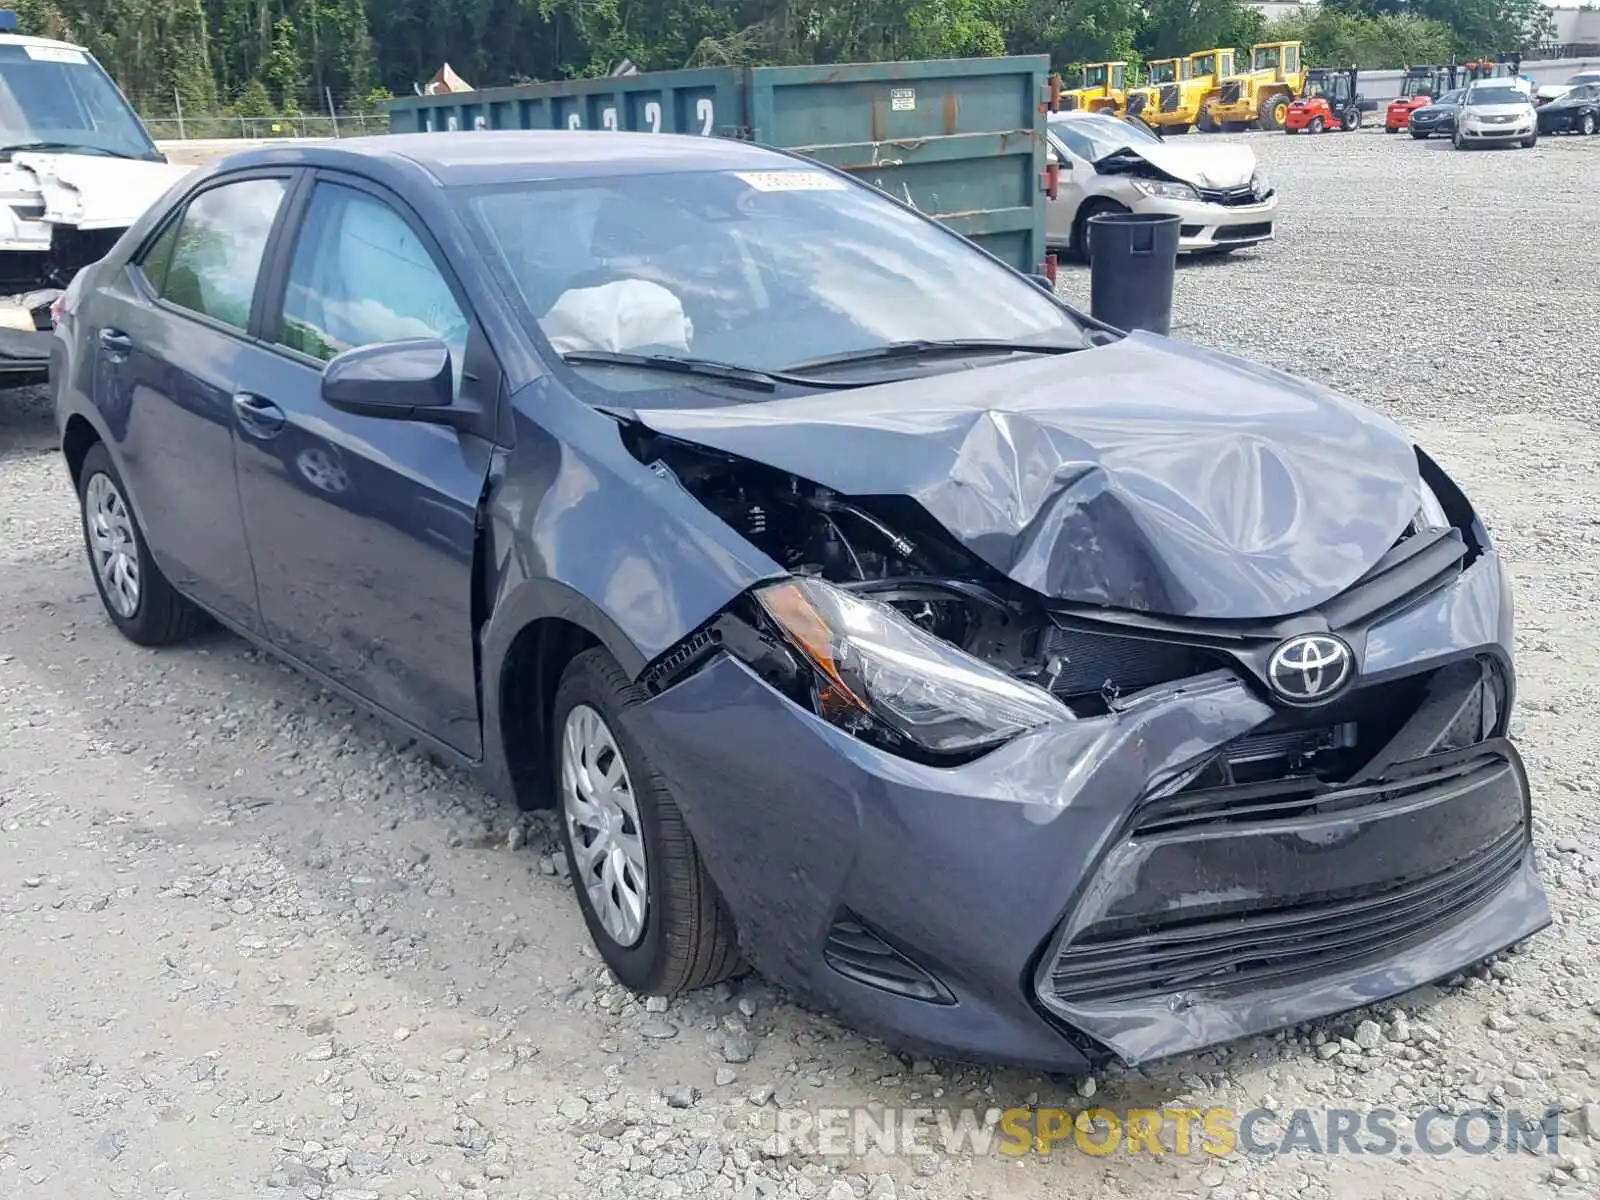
(602, 815)
(111, 541)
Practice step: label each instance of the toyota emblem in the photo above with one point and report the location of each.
(1310, 668)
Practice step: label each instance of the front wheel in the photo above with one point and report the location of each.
(145, 608)
(651, 908)
(1080, 227)
(1316, 125)
(1459, 142)
(1586, 124)
(1528, 143)
(1270, 117)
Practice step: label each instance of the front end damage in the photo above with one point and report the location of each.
(60, 213)
(1167, 858)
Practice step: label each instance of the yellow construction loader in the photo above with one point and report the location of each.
(1182, 103)
(1259, 96)
(1104, 89)
(1161, 71)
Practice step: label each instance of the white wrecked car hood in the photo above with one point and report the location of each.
(87, 190)
(1201, 164)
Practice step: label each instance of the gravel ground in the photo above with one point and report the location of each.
(253, 945)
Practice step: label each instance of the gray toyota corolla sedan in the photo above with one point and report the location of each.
(1014, 688)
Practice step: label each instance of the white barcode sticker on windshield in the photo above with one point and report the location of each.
(56, 54)
(791, 181)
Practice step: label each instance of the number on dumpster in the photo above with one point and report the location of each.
(652, 116)
(608, 119)
(479, 122)
(451, 124)
(574, 121)
(705, 112)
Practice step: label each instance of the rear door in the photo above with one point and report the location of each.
(168, 336)
(363, 530)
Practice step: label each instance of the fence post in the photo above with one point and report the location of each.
(178, 100)
(333, 116)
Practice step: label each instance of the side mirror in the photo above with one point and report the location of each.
(408, 380)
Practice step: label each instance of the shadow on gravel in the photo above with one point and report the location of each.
(26, 421)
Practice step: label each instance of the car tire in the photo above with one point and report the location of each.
(142, 604)
(1458, 141)
(1080, 225)
(1391, 129)
(1586, 124)
(686, 937)
(1353, 119)
(1270, 116)
(1529, 143)
(1316, 125)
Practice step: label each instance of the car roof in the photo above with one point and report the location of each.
(487, 157)
(22, 39)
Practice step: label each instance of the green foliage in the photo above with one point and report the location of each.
(282, 56)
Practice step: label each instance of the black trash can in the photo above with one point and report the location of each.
(1133, 259)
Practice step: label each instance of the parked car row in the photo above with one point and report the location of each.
(1508, 112)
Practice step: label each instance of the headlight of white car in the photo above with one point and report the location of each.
(1430, 513)
(1259, 186)
(1166, 189)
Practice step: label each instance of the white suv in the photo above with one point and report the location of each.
(1497, 112)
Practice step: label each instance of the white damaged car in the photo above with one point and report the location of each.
(1109, 164)
(77, 167)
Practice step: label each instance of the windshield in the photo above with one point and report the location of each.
(1095, 137)
(1094, 77)
(1497, 95)
(758, 269)
(1163, 72)
(1206, 64)
(1266, 58)
(58, 94)
(1417, 87)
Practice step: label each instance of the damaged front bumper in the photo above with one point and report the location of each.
(1084, 890)
(24, 356)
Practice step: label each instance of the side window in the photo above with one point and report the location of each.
(361, 275)
(211, 264)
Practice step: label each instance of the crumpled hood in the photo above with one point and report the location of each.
(1147, 475)
(1201, 163)
(90, 191)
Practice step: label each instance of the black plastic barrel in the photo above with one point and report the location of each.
(1133, 259)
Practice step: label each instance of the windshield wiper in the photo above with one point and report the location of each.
(65, 147)
(923, 347)
(752, 377)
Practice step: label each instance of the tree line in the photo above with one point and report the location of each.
(258, 58)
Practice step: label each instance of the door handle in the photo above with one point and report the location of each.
(259, 416)
(115, 342)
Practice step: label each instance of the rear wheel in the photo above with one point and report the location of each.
(144, 607)
(1586, 124)
(1352, 119)
(653, 912)
(1271, 115)
(1316, 125)
(1080, 227)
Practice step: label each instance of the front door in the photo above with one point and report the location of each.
(363, 531)
(168, 339)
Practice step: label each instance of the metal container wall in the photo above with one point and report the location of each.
(960, 139)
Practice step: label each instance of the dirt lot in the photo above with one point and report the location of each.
(253, 945)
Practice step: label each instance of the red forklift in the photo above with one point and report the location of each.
(1420, 86)
(1328, 105)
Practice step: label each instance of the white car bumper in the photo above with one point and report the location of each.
(1208, 226)
(1510, 132)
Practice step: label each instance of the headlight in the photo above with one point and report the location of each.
(1430, 513)
(1166, 189)
(873, 666)
(1260, 186)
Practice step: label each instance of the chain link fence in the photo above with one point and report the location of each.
(324, 125)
